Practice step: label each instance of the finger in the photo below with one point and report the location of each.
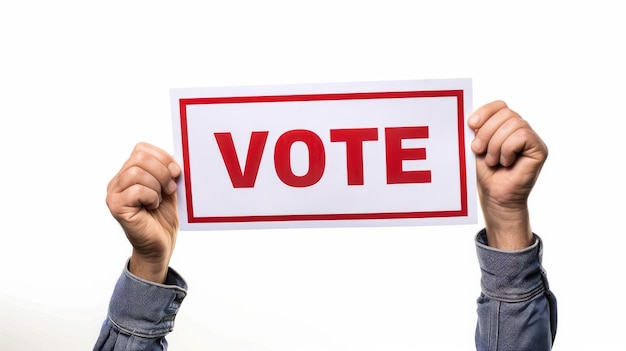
(164, 157)
(512, 147)
(523, 142)
(496, 151)
(482, 114)
(156, 162)
(135, 175)
(489, 126)
(124, 205)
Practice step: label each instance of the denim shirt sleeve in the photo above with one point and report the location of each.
(516, 309)
(141, 313)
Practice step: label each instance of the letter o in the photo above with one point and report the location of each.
(282, 158)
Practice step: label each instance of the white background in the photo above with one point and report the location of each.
(81, 83)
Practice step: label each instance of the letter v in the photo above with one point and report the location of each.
(247, 178)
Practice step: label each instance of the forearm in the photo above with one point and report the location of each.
(141, 313)
(516, 310)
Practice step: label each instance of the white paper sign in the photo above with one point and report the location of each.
(325, 155)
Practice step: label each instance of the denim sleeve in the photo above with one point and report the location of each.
(141, 313)
(516, 309)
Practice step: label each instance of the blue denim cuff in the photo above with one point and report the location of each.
(511, 276)
(146, 309)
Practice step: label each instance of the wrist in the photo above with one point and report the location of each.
(508, 228)
(154, 270)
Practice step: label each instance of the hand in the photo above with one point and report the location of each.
(509, 157)
(142, 198)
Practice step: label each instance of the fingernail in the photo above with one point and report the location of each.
(476, 144)
(174, 169)
(473, 120)
(171, 187)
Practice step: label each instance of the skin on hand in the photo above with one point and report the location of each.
(142, 198)
(509, 158)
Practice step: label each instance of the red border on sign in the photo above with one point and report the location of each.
(462, 212)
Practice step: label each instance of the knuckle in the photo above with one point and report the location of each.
(134, 173)
(140, 156)
(113, 204)
(509, 112)
(140, 146)
(134, 191)
(524, 131)
(500, 103)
